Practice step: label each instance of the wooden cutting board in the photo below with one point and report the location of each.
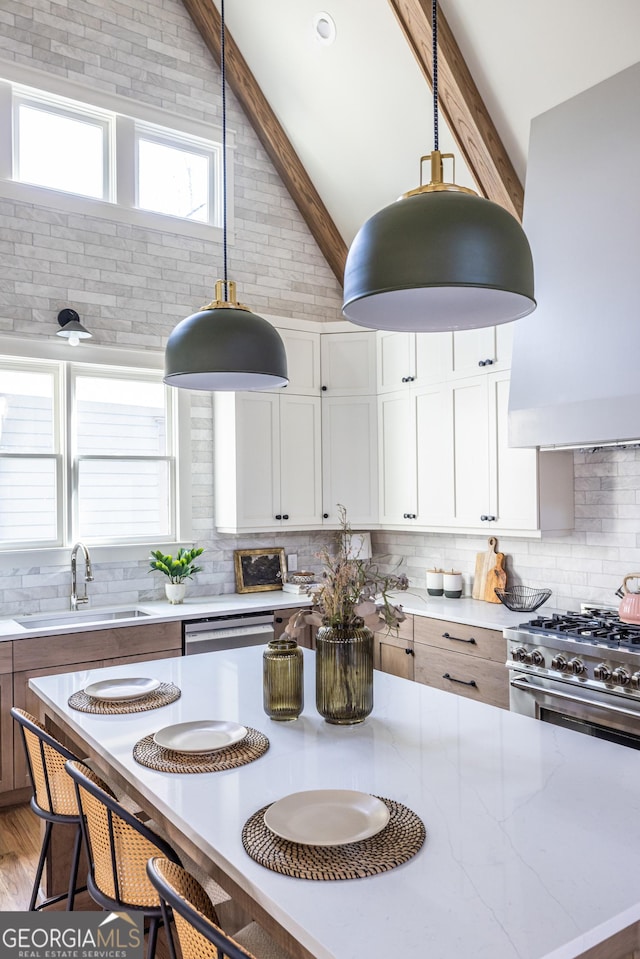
(485, 564)
(496, 579)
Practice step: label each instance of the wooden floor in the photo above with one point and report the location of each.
(19, 851)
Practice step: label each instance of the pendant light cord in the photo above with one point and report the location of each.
(434, 37)
(224, 152)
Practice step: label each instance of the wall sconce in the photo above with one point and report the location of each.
(72, 329)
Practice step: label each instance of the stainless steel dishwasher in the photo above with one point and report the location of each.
(227, 632)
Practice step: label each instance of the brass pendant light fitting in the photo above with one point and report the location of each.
(440, 257)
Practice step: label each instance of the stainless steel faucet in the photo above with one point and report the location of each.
(88, 575)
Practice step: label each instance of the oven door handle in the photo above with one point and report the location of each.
(532, 688)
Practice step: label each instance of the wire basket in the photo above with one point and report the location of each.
(522, 599)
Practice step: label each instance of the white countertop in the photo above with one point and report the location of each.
(415, 601)
(531, 828)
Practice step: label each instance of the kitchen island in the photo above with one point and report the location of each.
(532, 830)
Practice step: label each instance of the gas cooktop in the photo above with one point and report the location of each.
(597, 626)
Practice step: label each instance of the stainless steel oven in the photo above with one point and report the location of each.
(580, 671)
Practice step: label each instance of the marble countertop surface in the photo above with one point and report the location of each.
(530, 827)
(414, 600)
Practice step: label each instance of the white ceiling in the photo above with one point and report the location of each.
(359, 112)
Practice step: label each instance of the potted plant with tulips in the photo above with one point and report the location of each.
(177, 568)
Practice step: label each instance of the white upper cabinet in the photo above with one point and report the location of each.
(267, 462)
(349, 459)
(396, 360)
(348, 363)
(303, 362)
(481, 351)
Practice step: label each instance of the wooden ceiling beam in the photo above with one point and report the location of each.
(271, 135)
(461, 104)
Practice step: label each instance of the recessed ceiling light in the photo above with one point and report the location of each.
(324, 28)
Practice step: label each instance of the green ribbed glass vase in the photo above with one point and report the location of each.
(344, 674)
(282, 685)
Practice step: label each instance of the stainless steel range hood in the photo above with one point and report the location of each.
(576, 361)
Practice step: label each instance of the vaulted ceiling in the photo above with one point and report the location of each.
(346, 123)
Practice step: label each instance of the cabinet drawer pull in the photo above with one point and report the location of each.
(457, 639)
(485, 363)
(463, 682)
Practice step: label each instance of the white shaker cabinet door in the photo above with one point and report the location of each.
(350, 459)
(514, 478)
(300, 462)
(397, 453)
(247, 460)
(471, 451)
(348, 363)
(396, 361)
(433, 410)
(472, 348)
(303, 362)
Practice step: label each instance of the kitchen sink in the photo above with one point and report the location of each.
(71, 618)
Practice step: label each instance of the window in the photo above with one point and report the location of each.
(104, 162)
(174, 176)
(86, 452)
(61, 146)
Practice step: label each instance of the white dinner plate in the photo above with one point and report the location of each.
(327, 817)
(201, 736)
(116, 690)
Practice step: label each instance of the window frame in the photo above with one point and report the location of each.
(196, 145)
(71, 109)
(33, 355)
(126, 112)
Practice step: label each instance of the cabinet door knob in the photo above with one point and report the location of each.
(484, 518)
(485, 363)
(404, 379)
(285, 516)
(325, 516)
(491, 519)
(405, 516)
(278, 619)
(278, 515)
(409, 652)
(410, 379)
(324, 389)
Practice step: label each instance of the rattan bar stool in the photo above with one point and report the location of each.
(196, 920)
(53, 799)
(118, 846)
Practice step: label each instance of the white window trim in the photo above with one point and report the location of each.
(96, 355)
(128, 110)
(65, 107)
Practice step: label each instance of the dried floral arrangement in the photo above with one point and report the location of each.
(352, 592)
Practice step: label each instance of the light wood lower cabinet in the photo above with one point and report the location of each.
(6, 731)
(466, 660)
(393, 650)
(76, 652)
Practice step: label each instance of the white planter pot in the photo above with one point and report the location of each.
(175, 592)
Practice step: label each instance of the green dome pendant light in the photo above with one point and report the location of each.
(440, 257)
(225, 346)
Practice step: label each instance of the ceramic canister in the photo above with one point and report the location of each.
(434, 582)
(452, 582)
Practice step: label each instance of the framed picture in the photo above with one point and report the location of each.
(259, 569)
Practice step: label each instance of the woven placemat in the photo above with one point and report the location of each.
(148, 753)
(165, 693)
(399, 841)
